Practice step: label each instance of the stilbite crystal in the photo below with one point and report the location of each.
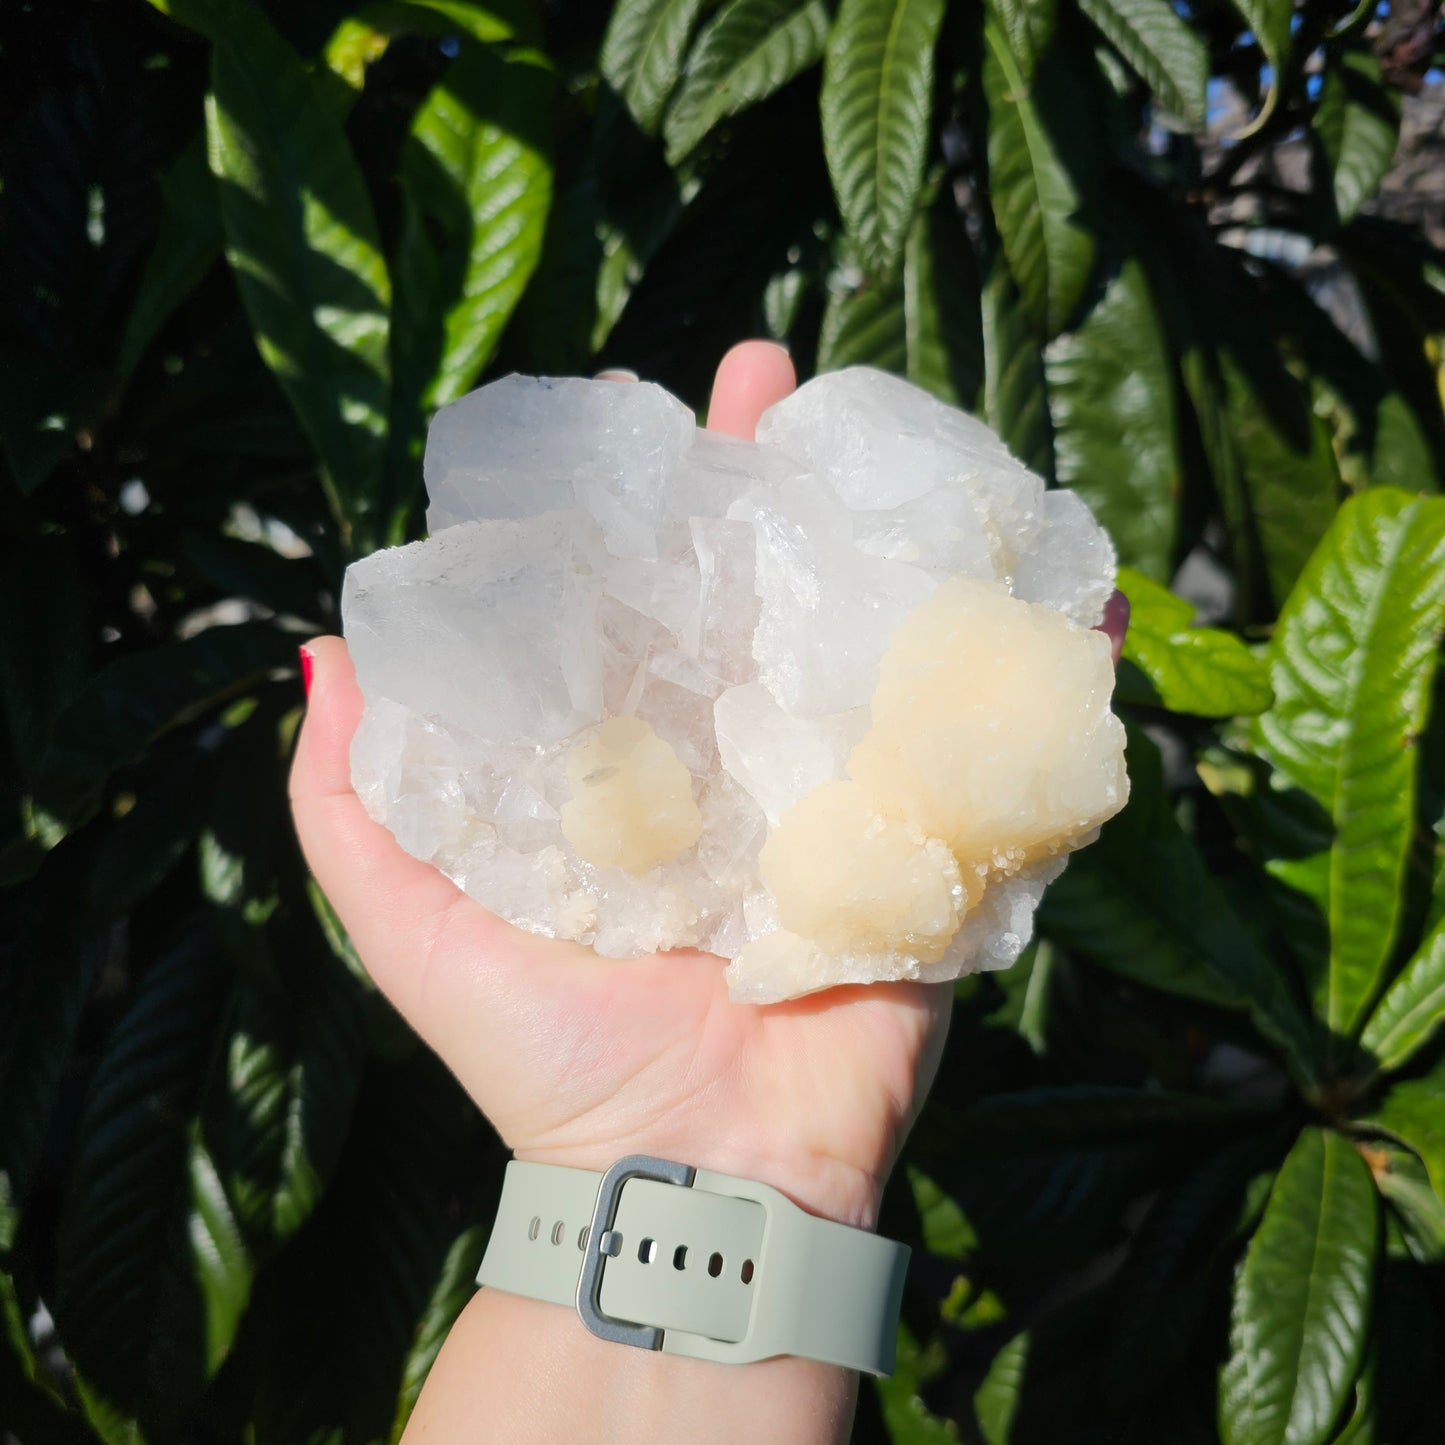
(826, 704)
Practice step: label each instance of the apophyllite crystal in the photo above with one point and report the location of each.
(826, 704)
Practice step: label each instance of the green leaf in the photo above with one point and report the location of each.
(642, 53)
(1015, 394)
(490, 22)
(129, 704)
(1415, 1206)
(1184, 1247)
(909, 1421)
(750, 49)
(187, 245)
(152, 1276)
(1030, 26)
(864, 326)
(278, 1116)
(1141, 903)
(455, 1285)
(942, 306)
(996, 1402)
(1039, 163)
(1201, 671)
(1356, 127)
(1111, 396)
(1302, 1299)
(1271, 21)
(1414, 1113)
(478, 163)
(302, 241)
(1351, 662)
(328, 1341)
(1413, 1007)
(1084, 1116)
(924, 324)
(1162, 48)
(877, 103)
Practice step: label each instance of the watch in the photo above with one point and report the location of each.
(668, 1257)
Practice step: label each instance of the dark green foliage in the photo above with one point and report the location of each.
(1182, 1178)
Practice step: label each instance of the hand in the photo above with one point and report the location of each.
(579, 1060)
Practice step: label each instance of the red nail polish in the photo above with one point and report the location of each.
(308, 661)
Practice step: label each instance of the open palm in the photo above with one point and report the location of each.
(579, 1060)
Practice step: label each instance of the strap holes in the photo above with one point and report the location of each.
(647, 1252)
(558, 1230)
(747, 1271)
(714, 1265)
(582, 1237)
(679, 1257)
(534, 1228)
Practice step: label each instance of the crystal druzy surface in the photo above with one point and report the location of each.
(826, 704)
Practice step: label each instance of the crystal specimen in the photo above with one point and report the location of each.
(826, 704)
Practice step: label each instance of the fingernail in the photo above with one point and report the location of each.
(617, 373)
(308, 662)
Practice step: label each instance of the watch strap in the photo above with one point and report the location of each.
(661, 1255)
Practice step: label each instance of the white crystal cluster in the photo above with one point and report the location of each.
(825, 704)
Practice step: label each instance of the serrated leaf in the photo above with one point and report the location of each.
(864, 325)
(1413, 1007)
(942, 306)
(923, 324)
(1111, 396)
(1015, 395)
(1141, 903)
(1351, 663)
(478, 163)
(642, 53)
(1038, 162)
(1161, 47)
(1030, 26)
(1356, 126)
(303, 244)
(1302, 1299)
(750, 49)
(1414, 1113)
(1202, 671)
(877, 105)
(151, 1276)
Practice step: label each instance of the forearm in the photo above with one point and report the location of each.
(517, 1370)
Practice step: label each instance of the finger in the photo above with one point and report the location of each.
(1116, 623)
(617, 373)
(751, 377)
(460, 975)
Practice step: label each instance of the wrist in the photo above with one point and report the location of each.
(829, 1188)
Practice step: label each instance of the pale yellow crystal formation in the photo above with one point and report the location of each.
(992, 747)
(632, 805)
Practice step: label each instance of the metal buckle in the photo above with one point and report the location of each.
(602, 1245)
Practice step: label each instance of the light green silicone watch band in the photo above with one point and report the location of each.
(706, 1265)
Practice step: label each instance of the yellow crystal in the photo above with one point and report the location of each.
(632, 805)
(848, 878)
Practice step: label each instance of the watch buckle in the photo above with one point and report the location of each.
(601, 1245)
